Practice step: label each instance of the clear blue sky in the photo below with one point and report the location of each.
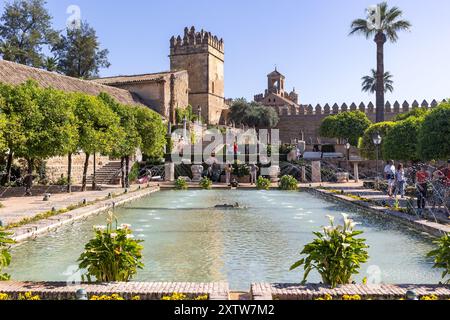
(308, 41)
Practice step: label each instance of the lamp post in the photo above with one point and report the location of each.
(347, 147)
(377, 142)
(199, 111)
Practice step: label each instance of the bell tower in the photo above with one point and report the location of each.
(276, 82)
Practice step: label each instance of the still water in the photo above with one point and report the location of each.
(187, 239)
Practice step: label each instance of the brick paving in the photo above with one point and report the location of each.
(16, 208)
(145, 290)
(267, 291)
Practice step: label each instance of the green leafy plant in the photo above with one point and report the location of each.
(113, 255)
(336, 253)
(441, 256)
(205, 183)
(5, 255)
(288, 183)
(181, 184)
(263, 184)
(241, 170)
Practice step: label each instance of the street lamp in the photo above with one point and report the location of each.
(377, 142)
(348, 147)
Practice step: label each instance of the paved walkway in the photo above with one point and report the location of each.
(383, 199)
(16, 209)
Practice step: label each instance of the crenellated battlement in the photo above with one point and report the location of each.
(195, 41)
(327, 109)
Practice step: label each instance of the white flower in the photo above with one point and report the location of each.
(99, 228)
(125, 226)
(331, 218)
(113, 235)
(346, 245)
(345, 216)
(130, 236)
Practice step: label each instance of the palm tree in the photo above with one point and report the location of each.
(50, 64)
(369, 83)
(388, 25)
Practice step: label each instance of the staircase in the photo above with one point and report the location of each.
(108, 174)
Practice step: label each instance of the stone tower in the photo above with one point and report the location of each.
(202, 55)
(276, 82)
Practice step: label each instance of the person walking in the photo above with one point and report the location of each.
(422, 177)
(228, 171)
(400, 181)
(253, 173)
(389, 174)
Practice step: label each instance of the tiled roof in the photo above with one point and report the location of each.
(14, 73)
(152, 77)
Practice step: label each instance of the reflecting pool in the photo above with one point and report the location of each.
(187, 239)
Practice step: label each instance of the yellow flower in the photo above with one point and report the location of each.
(4, 296)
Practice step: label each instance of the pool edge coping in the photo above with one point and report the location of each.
(421, 225)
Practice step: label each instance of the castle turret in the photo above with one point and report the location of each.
(202, 55)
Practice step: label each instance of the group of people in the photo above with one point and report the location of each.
(438, 177)
(253, 168)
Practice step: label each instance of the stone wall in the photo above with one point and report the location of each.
(57, 166)
(308, 118)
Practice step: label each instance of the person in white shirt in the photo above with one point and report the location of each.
(389, 174)
(400, 180)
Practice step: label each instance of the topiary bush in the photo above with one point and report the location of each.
(206, 184)
(263, 184)
(181, 184)
(288, 183)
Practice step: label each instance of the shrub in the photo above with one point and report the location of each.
(366, 146)
(62, 181)
(113, 255)
(134, 172)
(336, 254)
(441, 256)
(5, 256)
(346, 125)
(263, 184)
(400, 142)
(206, 184)
(288, 183)
(241, 170)
(181, 184)
(434, 134)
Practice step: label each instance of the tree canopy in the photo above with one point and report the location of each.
(253, 114)
(434, 135)
(78, 53)
(152, 131)
(401, 141)
(366, 145)
(25, 30)
(346, 125)
(131, 139)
